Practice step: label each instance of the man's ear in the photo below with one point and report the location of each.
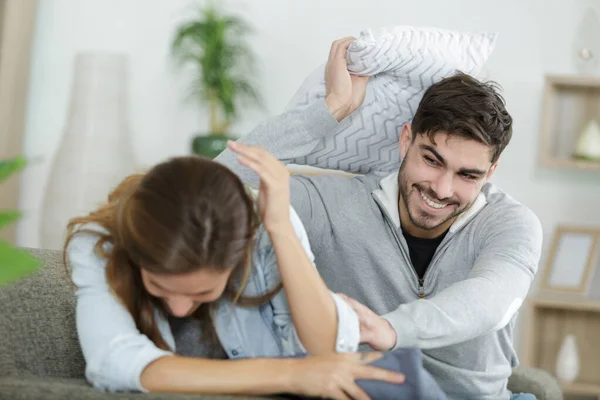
(405, 139)
(491, 171)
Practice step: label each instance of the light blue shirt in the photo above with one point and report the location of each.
(116, 353)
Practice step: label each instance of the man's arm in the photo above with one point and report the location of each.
(297, 132)
(484, 302)
(287, 136)
(489, 297)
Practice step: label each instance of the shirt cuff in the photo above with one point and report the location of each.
(145, 359)
(121, 369)
(348, 332)
(407, 334)
(321, 120)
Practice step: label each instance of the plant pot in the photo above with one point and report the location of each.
(210, 145)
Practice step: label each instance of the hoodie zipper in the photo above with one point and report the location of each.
(436, 254)
(422, 287)
(420, 281)
(443, 245)
(389, 221)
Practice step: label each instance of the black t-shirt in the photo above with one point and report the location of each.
(421, 251)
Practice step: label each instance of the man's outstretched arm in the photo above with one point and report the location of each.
(297, 132)
(287, 136)
(484, 302)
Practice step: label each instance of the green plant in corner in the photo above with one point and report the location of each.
(14, 263)
(214, 44)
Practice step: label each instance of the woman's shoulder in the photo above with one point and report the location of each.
(81, 249)
(86, 233)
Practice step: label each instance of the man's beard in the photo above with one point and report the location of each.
(424, 220)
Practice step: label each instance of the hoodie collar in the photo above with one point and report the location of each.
(388, 196)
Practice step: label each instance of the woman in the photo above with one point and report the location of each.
(185, 240)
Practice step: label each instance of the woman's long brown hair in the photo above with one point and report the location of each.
(185, 214)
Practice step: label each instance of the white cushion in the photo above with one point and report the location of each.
(404, 61)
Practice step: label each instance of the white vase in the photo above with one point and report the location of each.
(95, 153)
(588, 142)
(567, 362)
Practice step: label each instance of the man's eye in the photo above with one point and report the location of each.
(469, 177)
(429, 160)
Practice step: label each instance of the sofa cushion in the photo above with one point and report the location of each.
(37, 323)
(13, 388)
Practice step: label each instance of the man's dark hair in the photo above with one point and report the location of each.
(462, 105)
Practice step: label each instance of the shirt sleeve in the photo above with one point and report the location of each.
(348, 332)
(292, 134)
(115, 352)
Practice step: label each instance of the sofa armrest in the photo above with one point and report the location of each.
(535, 381)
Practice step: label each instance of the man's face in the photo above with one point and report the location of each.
(439, 181)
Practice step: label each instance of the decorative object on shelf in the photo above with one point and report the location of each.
(587, 146)
(95, 153)
(214, 44)
(567, 362)
(572, 263)
(586, 43)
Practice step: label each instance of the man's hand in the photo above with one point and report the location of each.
(374, 330)
(345, 92)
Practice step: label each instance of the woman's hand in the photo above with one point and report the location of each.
(333, 376)
(274, 193)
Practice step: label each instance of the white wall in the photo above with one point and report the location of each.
(292, 38)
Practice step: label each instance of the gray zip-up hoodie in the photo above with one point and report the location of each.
(462, 314)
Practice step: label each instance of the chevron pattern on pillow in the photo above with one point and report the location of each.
(403, 62)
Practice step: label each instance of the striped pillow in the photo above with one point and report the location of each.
(403, 61)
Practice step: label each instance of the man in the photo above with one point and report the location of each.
(442, 254)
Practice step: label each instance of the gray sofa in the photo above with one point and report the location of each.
(40, 356)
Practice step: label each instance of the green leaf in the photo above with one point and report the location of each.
(215, 44)
(9, 167)
(7, 217)
(15, 264)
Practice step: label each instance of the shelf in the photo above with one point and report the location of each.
(581, 389)
(574, 80)
(566, 302)
(554, 316)
(570, 102)
(571, 163)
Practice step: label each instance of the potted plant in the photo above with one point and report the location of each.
(14, 263)
(214, 44)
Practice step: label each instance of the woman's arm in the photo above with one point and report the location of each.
(315, 311)
(311, 303)
(115, 352)
(259, 376)
(332, 376)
